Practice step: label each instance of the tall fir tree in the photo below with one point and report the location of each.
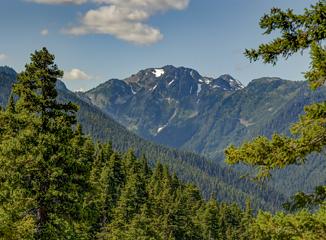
(44, 176)
(298, 32)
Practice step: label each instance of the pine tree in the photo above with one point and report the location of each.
(133, 196)
(111, 181)
(44, 175)
(209, 220)
(298, 32)
(142, 227)
(246, 221)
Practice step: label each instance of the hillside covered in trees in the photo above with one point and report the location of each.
(57, 183)
(208, 175)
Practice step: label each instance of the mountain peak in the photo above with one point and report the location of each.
(177, 82)
(8, 71)
(158, 72)
(227, 82)
(60, 85)
(226, 77)
(165, 77)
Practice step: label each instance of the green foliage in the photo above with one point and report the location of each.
(57, 184)
(300, 225)
(309, 201)
(316, 75)
(298, 32)
(209, 176)
(153, 204)
(43, 177)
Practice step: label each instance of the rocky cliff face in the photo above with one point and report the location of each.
(161, 103)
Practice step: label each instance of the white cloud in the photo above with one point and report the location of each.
(152, 5)
(59, 1)
(76, 74)
(123, 23)
(125, 19)
(3, 56)
(44, 32)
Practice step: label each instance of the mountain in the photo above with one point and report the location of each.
(190, 167)
(7, 79)
(162, 104)
(180, 108)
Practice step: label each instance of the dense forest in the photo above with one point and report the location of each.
(56, 183)
(206, 174)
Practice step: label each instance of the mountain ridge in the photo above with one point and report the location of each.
(206, 120)
(209, 176)
(149, 77)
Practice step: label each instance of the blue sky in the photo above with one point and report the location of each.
(95, 40)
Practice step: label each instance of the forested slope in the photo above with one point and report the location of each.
(207, 175)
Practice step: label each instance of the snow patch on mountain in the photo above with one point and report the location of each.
(160, 129)
(171, 82)
(207, 80)
(132, 90)
(153, 88)
(198, 88)
(246, 123)
(236, 84)
(158, 72)
(192, 74)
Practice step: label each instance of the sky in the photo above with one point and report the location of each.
(96, 40)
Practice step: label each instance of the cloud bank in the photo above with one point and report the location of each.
(3, 56)
(121, 22)
(59, 1)
(44, 32)
(76, 74)
(124, 19)
(153, 5)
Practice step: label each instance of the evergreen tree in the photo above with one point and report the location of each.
(142, 227)
(210, 220)
(300, 225)
(132, 197)
(55, 183)
(43, 177)
(298, 32)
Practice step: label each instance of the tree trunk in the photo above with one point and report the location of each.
(41, 220)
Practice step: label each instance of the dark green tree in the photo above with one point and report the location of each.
(43, 177)
(298, 32)
(209, 220)
(130, 201)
